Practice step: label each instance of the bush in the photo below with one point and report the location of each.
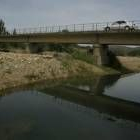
(134, 53)
(68, 48)
(82, 55)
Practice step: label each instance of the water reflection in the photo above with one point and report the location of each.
(126, 88)
(75, 109)
(92, 94)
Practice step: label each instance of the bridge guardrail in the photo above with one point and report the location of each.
(90, 27)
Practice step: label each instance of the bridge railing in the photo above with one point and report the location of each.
(90, 27)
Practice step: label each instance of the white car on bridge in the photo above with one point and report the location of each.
(121, 25)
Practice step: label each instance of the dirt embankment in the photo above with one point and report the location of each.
(130, 63)
(19, 69)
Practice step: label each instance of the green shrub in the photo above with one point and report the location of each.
(83, 56)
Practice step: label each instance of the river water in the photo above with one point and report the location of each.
(97, 108)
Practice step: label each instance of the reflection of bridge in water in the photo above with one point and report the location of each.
(89, 94)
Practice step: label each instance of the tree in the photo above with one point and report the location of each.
(62, 47)
(2, 27)
(14, 32)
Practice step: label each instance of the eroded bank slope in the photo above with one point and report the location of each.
(19, 69)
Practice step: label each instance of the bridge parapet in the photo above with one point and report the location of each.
(89, 27)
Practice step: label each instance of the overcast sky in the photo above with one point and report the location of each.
(34, 13)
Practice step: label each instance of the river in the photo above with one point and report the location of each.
(95, 108)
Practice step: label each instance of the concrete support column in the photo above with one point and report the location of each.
(31, 48)
(100, 54)
(27, 47)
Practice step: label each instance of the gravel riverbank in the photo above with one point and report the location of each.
(20, 69)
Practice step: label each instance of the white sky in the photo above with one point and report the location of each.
(35, 13)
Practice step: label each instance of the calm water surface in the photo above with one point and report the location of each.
(99, 108)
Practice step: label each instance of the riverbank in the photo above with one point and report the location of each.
(20, 69)
(130, 63)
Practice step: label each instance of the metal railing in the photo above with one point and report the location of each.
(133, 26)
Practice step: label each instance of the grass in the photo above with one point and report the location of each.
(65, 63)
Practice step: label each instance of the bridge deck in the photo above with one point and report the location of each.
(90, 37)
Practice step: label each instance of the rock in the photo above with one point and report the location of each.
(48, 56)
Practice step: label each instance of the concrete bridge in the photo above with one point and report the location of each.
(94, 33)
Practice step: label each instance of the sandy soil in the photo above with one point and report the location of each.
(131, 63)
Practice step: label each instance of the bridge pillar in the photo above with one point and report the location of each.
(100, 54)
(27, 47)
